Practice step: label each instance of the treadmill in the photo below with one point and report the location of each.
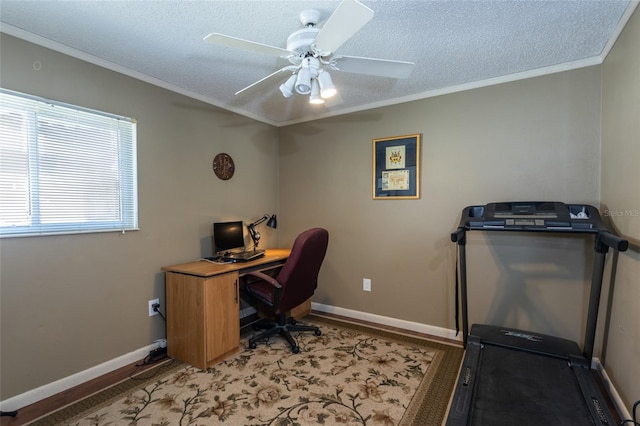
(516, 377)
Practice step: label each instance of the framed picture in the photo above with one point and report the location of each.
(396, 168)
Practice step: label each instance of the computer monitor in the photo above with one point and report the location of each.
(228, 236)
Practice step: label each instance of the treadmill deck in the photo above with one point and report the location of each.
(543, 380)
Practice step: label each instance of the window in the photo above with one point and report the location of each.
(64, 169)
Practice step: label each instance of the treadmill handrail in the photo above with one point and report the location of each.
(458, 236)
(612, 240)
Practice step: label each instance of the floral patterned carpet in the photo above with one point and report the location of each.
(350, 375)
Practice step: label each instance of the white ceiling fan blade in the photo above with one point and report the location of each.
(346, 20)
(372, 66)
(289, 68)
(226, 40)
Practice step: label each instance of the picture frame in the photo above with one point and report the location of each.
(396, 167)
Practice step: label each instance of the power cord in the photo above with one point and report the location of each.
(154, 371)
(633, 421)
(154, 356)
(156, 308)
(159, 353)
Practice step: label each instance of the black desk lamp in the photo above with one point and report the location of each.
(255, 235)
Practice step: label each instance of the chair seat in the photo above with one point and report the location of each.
(264, 291)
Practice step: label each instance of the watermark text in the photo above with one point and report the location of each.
(622, 213)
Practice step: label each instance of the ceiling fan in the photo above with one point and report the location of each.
(311, 52)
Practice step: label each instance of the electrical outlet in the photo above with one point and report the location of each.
(151, 303)
(366, 284)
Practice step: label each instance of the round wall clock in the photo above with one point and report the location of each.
(223, 166)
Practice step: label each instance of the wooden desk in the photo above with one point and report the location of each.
(203, 312)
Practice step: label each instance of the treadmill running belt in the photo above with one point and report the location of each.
(520, 388)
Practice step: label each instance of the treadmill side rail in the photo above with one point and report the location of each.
(461, 404)
(593, 398)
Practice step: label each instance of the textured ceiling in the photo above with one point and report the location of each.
(454, 44)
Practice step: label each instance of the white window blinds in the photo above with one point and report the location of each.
(64, 169)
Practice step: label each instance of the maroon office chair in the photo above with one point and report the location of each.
(294, 284)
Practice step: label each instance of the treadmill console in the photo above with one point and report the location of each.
(533, 216)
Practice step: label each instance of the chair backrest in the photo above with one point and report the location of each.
(299, 274)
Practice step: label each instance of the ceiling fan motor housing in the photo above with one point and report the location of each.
(309, 17)
(299, 43)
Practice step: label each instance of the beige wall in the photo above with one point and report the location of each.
(69, 303)
(536, 139)
(621, 197)
(85, 300)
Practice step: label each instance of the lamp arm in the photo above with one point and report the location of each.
(255, 235)
(259, 221)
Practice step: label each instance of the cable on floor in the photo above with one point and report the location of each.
(155, 371)
(633, 421)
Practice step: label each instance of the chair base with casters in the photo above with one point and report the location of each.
(284, 328)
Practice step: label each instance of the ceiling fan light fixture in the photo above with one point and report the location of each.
(303, 81)
(315, 93)
(327, 89)
(287, 87)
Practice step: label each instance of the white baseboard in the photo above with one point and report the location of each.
(393, 322)
(611, 389)
(45, 391)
